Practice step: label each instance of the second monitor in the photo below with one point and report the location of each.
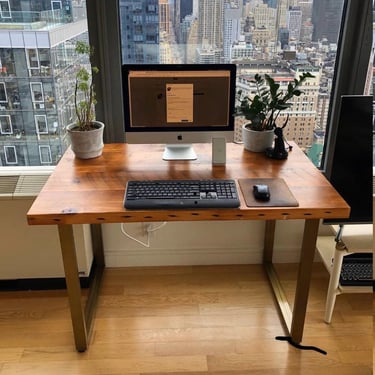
(178, 105)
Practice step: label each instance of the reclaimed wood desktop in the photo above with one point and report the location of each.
(92, 191)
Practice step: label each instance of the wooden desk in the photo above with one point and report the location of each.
(92, 191)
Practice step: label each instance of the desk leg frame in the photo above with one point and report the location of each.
(293, 320)
(81, 318)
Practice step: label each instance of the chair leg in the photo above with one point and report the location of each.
(333, 287)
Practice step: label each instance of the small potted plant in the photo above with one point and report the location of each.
(86, 134)
(263, 110)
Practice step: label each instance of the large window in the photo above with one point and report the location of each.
(37, 71)
(281, 38)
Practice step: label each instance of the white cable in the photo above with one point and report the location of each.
(148, 230)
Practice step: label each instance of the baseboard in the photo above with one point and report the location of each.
(185, 257)
(49, 283)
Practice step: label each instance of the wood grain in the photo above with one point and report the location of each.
(198, 320)
(92, 191)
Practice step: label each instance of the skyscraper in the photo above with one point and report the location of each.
(325, 20)
(210, 21)
(139, 23)
(210, 31)
(232, 28)
(37, 72)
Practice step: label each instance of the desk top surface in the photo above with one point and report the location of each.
(92, 191)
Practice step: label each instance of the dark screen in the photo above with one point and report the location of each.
(351, 172)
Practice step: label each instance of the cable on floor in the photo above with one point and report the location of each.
(299, 346)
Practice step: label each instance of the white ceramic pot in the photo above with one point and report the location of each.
(257, 141)
(87, 144)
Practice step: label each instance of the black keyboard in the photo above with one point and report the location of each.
(149, 194)
(356, 270)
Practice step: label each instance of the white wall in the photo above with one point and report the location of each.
(34, 251)
(191, 243)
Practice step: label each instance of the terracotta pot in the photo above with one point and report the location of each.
(86, 144)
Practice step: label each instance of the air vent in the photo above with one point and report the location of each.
(29, 185)
(24, 186)
(8, 185)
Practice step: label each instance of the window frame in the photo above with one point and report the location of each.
(2, 132)
(15, 154)
(36, 117)
(103, 26)
(47, 147)
(2, 83)
(28, 60)
(9, 12)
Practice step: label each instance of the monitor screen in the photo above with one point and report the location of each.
(351, 170)
(178, 105)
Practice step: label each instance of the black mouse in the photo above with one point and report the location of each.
(261, 192)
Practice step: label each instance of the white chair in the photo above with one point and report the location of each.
(342, 241)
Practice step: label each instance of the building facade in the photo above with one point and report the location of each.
(37, 70)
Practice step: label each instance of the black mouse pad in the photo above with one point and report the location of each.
(281, 196)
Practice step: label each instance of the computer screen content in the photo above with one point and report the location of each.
(178, 105)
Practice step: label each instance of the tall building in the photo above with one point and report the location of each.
(294, 22)
(210, 23)
(325, 19)
(37, 74)
(232, 28)
(182, 9)
(164, 16)
(139, 23)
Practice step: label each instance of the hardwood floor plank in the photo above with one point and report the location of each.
(108, 366)
(204, 320)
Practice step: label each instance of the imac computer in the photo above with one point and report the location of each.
(178, 105)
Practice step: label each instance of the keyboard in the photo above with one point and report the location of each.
(149, 194)
(356, 270)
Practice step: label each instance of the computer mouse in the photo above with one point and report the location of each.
(261, 192)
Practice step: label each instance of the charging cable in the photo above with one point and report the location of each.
(149, 230)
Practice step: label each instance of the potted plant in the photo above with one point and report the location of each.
(263, 110)
(86, 134)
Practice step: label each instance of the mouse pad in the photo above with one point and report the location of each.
(281, 196)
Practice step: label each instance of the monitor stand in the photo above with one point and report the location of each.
(179, 152)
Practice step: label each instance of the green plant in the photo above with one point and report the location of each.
(264, 108)
(84, 93)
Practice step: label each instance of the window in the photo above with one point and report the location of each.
(262, 36)
(41, 124)
(32, 58)
(5, 9)
(3, 93)
(6, 125)
(56, 5)
(10, 155)
(37, 95)
(45, 154)
(37, 72)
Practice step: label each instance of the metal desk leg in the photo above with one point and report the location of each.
(81, 319)
(68, 251)
(304, 278)
(277, 289)
(294, 321)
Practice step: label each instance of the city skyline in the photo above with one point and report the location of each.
(270, 36)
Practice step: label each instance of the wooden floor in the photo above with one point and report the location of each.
(218, 320)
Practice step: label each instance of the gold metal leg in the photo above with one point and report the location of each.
(304, 278)
(278, 291)
(294, 321)
(81, 320)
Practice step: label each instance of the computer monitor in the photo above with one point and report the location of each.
(351, 171)
(178, 105)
